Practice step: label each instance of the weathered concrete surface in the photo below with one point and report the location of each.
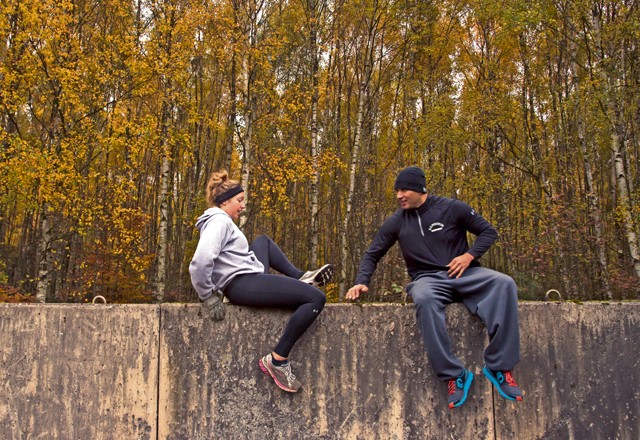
(580, 368)
(366, 376)
(364, 372)
(147, 371)
(78, 372)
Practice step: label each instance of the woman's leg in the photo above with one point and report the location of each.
(268, 290)
(270, 255)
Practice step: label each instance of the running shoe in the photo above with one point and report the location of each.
(318, 277)
(504, 383)
(459, 388)
(282, 376)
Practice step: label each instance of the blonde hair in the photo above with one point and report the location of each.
(219, 183)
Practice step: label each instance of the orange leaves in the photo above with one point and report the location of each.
(280, 171)
(284, 173)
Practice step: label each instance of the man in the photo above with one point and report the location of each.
(432, 234)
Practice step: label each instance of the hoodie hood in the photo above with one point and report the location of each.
(208, 215)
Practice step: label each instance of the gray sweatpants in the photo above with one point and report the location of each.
(491, 295)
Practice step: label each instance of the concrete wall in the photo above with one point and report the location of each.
(147, 372)
(78, 372)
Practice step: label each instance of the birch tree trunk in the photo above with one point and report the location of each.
(556, 86)
(315, 176)
(254, 12)
(363, 89)
(546, 184)
(163, 196)
(231, 116)
(44, 255)
(623, 200)
(161, 268)
(246, 169)
(246, 141)
(612, 53)
(344, 246)
(594, 210)
(233, 108)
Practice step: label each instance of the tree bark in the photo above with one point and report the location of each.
(355, 153)
(44, 256)
(623, 199)
(315, 176)
(161, 268)
(594, 211)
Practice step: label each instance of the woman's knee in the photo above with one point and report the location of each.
(319, 299)
(261, 240)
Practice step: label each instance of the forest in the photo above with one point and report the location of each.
(113, 114)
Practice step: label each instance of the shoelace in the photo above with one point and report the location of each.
(452, 386)
(509, 378)
(286, 369)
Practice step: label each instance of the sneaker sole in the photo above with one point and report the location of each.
(267, 371)
(465, 390)
(495, 383)
(324, 276)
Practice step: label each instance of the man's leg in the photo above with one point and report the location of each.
(493, 296)
(431, 295)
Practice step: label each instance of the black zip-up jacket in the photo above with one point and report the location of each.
(430, 236)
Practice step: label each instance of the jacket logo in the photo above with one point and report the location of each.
(435, 227)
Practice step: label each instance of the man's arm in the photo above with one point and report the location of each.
(485, 234)
(384, 239)
(484, 231)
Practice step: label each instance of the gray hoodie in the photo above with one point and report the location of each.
(222, 253)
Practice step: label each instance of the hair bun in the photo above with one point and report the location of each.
(219, 182)
(219, 176)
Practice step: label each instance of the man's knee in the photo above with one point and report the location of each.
(425, 299)
(501, 288)
(506, 283)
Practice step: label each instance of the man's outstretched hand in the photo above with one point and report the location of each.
(356, 290)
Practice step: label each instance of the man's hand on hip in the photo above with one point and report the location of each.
(458, 265)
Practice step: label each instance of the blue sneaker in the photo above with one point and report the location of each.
(504, 383)
(459, 388)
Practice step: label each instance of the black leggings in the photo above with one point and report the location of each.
(269, 290)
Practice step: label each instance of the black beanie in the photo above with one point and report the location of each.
(411, 178)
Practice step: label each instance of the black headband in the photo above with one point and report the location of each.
(228, 194)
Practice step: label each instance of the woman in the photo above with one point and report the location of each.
(224, 262)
